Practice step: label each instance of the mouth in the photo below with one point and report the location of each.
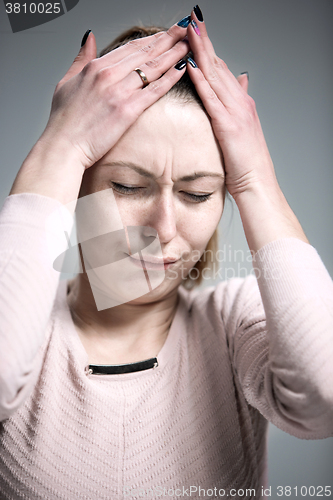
(153, 263)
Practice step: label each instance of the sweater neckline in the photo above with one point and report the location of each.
(165, 354)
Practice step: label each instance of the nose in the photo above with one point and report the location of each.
(163, 217)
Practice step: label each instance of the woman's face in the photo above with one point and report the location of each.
(166, 173)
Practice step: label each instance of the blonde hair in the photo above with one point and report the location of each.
(185, 91)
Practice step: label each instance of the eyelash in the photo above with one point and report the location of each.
(197, 198)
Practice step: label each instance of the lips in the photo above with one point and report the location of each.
(153, 263)
(155, 260)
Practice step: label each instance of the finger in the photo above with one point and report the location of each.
(144, 98)
(243, 80)
(151, 50)
(215, 71)
(212, 103)
(155, 68)
(167, 38)
(118, 54)
(197, 16)
(87, 53)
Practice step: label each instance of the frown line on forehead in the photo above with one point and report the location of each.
(145, 173)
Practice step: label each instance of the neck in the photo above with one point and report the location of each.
(126, 333)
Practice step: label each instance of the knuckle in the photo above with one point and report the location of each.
(123, 110)
(173, 32)
(103, 74)
(160, 33)
(219, 64)
(135, 44)
(213, 76)
(90, 67)
(147, 48)
(154, 63)
(210, 95)
(179, 47)
(250, 106)
(251, 103)
(154, 87)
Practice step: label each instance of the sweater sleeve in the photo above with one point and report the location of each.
(283, 355)
(31, 235)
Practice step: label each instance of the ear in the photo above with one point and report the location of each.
(243, 80)
(87, 53)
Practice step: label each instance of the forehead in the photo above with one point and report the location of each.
(171, 138)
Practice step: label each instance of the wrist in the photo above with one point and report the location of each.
(267, 216)
(52, 168)
(260, 191)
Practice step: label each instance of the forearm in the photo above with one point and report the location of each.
(266, 215)
(297, 294)
(51, 169)
(28, 284)
(283, 356)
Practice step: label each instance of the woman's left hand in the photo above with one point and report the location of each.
(249, 170)
(233, 115)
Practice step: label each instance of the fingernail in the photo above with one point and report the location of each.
(192, 62)
(180, 64)
(183, 23)
(198, 13)
(195, 27)
(85, 36)
(247, 74)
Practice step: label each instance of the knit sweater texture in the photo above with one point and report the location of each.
(237, 355)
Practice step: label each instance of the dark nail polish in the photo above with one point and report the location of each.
(247, 74)
(198, 13)
(192, 62)
(180, 64)
(195, 27)
(85, 36)
(183, 23)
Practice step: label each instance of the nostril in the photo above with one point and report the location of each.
(148, 231)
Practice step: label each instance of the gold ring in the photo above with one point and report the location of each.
(142, 76)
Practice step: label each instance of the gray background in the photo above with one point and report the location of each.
(286, 46)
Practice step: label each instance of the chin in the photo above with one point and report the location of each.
(161, 292)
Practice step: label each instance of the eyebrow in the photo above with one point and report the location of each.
(150, 175)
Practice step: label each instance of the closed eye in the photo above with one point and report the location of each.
(121, 188)
(198, 198)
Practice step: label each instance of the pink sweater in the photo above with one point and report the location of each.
(195, 426)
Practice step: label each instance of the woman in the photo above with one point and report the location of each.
(201, 373)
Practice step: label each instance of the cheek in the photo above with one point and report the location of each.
(134, 211)
(199, 225)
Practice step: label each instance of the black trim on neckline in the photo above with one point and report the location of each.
(127, 368)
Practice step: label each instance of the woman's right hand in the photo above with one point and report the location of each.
(93, 105)
(99, 99)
